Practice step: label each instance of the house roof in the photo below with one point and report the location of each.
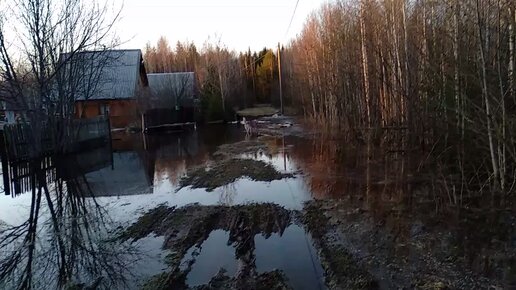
(116, 73)
(164, 84)
(169, 89)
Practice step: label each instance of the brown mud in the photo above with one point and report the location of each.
(190, 226)
(342, 270)
(355, 252)
(414, 256)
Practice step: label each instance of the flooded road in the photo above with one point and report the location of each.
(379, 203)
(145, 171)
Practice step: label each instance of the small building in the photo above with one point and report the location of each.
(172, 99)
(14, 107)
(120, 80)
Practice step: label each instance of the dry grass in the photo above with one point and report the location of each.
(243, 147)
(228, 171)
(258, 112)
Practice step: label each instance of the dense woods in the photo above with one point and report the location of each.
(440, 71)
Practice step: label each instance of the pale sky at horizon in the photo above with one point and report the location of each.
(238, 24)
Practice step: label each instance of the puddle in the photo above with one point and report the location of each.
(151, 260)
(214, 254)
(294, 254)
(291, 252)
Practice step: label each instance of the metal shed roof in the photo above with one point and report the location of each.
(165, 83)
(117, 73)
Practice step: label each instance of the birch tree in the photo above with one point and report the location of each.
(442, 69)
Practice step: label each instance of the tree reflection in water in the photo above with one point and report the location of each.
(64, 240)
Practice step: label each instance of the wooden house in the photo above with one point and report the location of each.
(120, 80)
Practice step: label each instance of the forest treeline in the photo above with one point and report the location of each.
(442, 72)
(226, 80)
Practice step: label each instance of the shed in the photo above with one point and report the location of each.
(172, 100)
(169, 90)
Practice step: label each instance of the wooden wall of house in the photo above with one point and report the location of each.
(121, 112)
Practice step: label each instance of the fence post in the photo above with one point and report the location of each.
(110, 143)
(143, 121)
(5, 164)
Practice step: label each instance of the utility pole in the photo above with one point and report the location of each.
(279, 75)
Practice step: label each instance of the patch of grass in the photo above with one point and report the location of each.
(228, 171)
(291, 111)
(272, 280)
(258, 112)
(3, 225)
(156, 282)
(165, 280)
(239, 148)
(432, 285)
(315, 219)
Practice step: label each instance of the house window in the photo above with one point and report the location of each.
(104, 109)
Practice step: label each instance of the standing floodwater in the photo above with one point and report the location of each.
(214, 208)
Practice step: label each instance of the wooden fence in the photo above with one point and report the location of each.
(23, 157)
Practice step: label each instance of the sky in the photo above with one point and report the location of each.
(238, 24)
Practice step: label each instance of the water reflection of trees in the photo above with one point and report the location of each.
(335, 168)
(176, 153)
(396, 192)
(227, 194)
(64, 239)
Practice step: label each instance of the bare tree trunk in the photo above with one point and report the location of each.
(485, 94)
(424, 66)
(407, 93)
(365, 65)
(459, 110)
(511, 77)
(222, 90)
(501, 139)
